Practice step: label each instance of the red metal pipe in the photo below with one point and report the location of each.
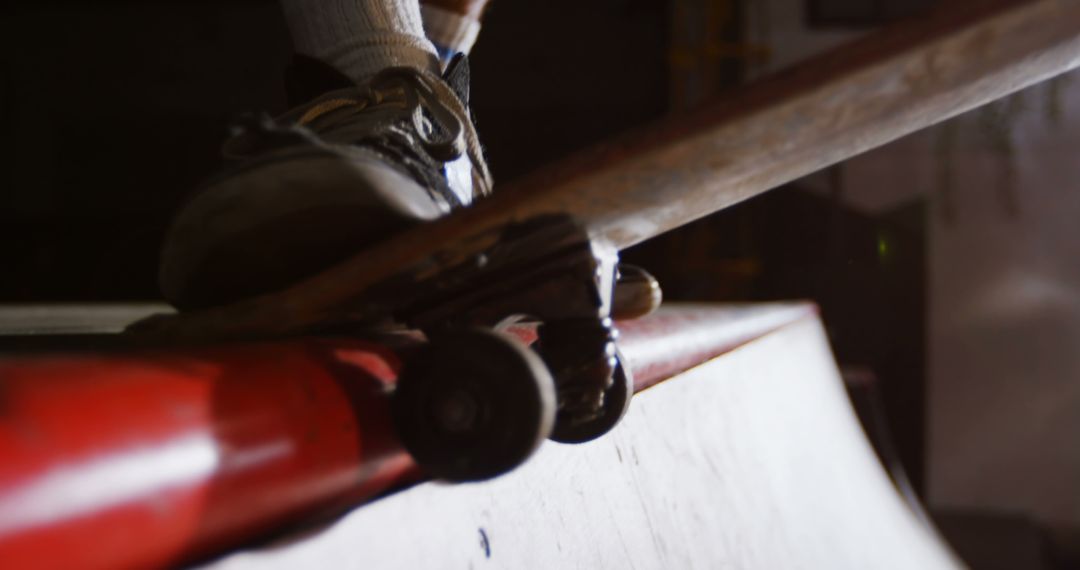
(142, 460)
(673, 341)
(134, 460)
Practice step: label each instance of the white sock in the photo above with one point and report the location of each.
(451, 32)
(361, 37)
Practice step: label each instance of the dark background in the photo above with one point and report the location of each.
(112, 111)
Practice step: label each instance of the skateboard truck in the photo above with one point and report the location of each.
(473, 402)
(546, 271)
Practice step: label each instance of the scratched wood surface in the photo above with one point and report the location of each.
(753, 460)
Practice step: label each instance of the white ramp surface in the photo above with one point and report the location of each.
(752, 460)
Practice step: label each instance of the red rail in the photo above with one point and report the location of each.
(150, 459)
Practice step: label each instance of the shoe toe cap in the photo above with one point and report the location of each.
(275, 223)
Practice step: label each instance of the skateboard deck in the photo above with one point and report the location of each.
(665, 175)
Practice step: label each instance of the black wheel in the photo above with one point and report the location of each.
(616, 402)
(473, 404)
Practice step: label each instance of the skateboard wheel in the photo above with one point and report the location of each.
(473, 404)
(616, 402)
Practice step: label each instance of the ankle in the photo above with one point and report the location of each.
(451, 32)
(360, 38)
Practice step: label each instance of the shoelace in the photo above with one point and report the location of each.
(455, 134)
